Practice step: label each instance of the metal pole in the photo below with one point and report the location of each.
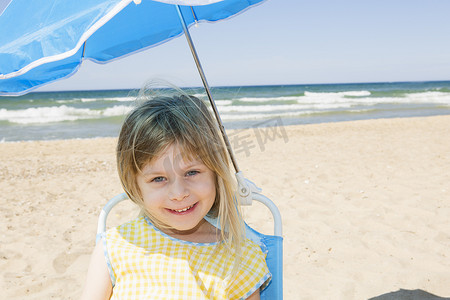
(206, 85)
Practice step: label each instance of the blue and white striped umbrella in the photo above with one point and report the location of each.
(45, 40)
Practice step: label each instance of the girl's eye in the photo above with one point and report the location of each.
(192, 173)
(158, 179)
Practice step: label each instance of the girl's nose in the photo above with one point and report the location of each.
(178, 190)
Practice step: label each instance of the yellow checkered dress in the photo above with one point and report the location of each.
(145, 263)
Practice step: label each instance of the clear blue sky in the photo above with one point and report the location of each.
(295, 42)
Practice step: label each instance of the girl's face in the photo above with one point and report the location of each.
(178, 192)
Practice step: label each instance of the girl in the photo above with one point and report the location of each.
(173, 163)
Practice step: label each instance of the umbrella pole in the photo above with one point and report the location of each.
(208, 92)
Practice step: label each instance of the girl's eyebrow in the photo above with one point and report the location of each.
(186, 166)
(150, 173)
(192, 163)
(180, 165)
(150, 170)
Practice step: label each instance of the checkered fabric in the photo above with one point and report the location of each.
(145, 263)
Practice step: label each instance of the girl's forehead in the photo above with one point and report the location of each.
(174, 154)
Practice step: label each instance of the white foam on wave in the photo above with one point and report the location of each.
(339, 94)
(267, 99)
(119, 99)
(53, 114)
(416, 98)
(201, 95)
(324, 102)
(287, 107)
(362, 99)
(118, 110)
(312, 96)
(337, 97)
(430, 97)
(261, 116)
(231, 117)
(223, 102)
(86, 100)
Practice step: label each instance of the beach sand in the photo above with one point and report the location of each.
(365, 207)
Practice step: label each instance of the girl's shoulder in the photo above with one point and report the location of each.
(130, 231)
(132, 225)
(252, 246)
(253, 254)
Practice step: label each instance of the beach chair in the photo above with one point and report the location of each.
(273, 243)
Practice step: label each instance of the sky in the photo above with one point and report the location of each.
(294, 42)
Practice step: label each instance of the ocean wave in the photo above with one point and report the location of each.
(275, 108)
(309, 97)
(340, 97)
(230, 117)
(119, 99)
(413, 98)
(249, 107)
(290, 114)
(94, 99)
(362, 97)
(338, 94)
(118, 110)
(268, 99)
(430, 97)
(200, 95)
(223, 102)
(54, 114)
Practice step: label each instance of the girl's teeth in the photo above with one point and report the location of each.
(184, 209)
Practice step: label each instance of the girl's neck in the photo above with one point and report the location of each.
(204, 232)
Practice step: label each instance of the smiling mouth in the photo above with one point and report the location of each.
(183, 210)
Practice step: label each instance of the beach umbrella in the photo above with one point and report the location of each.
(42, 41)
(45, 40)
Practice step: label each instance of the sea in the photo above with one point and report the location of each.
(92, 114)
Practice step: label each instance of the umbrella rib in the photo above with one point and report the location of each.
(194, 15)
(206, 85)
(84, 49)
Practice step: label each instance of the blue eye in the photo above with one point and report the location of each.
(158, 179)
(192, 173)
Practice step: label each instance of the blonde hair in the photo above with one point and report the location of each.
(186, 121)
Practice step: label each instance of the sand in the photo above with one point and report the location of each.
(365, 207)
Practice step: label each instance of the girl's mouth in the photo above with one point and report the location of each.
(183, 210)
